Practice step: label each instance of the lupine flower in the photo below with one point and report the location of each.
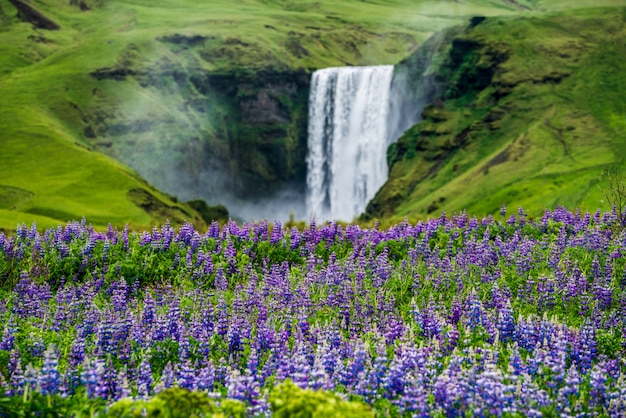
(144, 379)
(49, 379)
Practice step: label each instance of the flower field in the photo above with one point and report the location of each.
(454, 316)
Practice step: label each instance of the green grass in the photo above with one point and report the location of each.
(48, 96)
(553, 136)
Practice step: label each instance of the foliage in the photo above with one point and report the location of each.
(217, 213)
(174, 403)
(288, 400)
(50, 406)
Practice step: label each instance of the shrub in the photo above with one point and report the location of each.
(289, 401)
(170, 403)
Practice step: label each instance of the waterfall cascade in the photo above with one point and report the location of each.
(347, 139)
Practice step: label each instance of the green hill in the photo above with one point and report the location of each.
(529, 111)
(180, 91)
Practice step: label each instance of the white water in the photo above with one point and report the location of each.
(347, 139)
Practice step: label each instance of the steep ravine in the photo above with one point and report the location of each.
(237, 137)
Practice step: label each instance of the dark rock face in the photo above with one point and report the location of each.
(31, 15)
(267, 131)
(263, 107)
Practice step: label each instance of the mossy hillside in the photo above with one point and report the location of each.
(533, 116)
(95, 187)
(131, 79)
(48, 176)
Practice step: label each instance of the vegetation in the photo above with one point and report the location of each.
(517, 314)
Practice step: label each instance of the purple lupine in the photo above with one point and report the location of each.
(301, 320)
(301, 367)
(167, 378)
(431, 324)
(31, 378)
(571, 387)
(186, 377)
(8, 336)
(173, 320)
(506, 323)
(206, 377)
(90, 377)
(394, 330)
(119, 294)
(71, 381)
(414, 401)
(17, 381)
(475, 316)
(221, 283)
(149, 310)
(49, 379)
(277, 233)
(319, 378)
(617, 402)
(358, 364)
(242, 387)
(294, 238)
(108, 385)
(222, 318)
(37, 347)
(230, 254)
(585, 350)
(395, 379)
(106, 342)
(122, 389)
(597, 381)
(144, 380)
(526, 333)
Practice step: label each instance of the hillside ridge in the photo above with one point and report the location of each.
(520, 116)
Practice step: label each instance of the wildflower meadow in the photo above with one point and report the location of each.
(452, 316)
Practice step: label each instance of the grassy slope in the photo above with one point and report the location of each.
(49, 177)
(546, 143)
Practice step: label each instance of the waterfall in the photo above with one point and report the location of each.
(347, 139)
